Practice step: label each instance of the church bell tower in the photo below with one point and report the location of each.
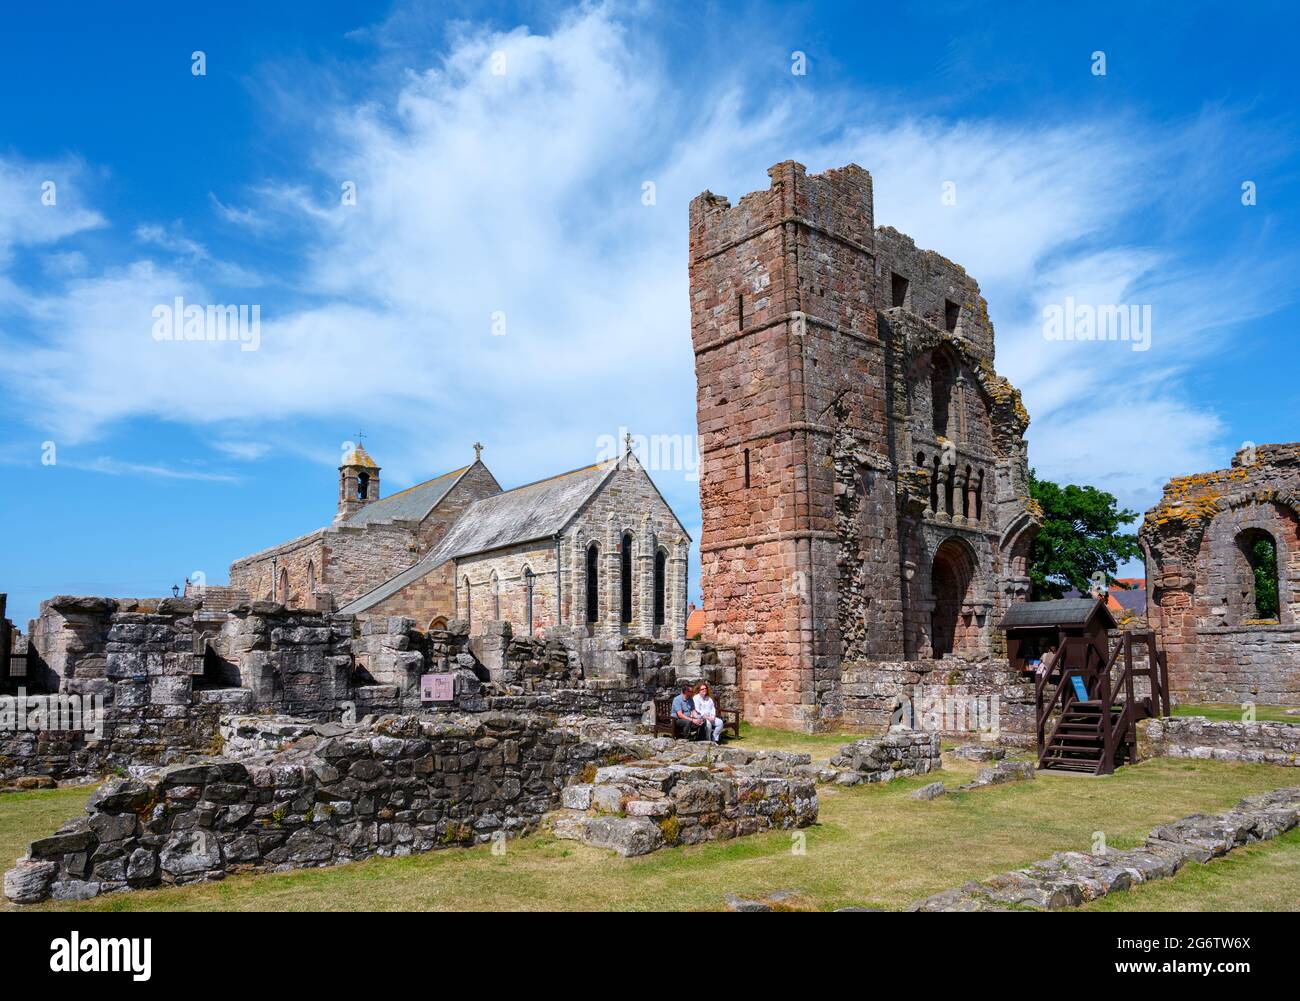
(358, 482)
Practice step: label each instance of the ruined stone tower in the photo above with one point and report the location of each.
(863, 477)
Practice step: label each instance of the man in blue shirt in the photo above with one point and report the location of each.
(686, 721)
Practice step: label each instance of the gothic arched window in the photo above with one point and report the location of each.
(625, 579)
(593, 583)
(661, 586)
(363, 485)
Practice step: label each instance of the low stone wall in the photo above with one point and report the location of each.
(398, 786)
(898, 754)
(1197, 737)
(1071, 878)
(685, 794)
(311, 794)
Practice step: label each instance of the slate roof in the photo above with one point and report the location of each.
(411, 504)
(1067, 612)
(534, 511)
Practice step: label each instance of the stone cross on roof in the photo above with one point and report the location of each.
(478, 451)
(627, 441)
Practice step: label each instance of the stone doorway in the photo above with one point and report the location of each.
(952, 580)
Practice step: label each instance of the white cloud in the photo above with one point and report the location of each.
(41, 203)
(245, 451)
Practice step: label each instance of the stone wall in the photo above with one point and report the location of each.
(1197, 737)
(299, 562)
(1202, 585)
(628, 503)
(397, 786)
(951, 696)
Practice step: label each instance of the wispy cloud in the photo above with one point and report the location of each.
(116, 467)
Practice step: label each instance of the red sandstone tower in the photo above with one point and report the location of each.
(862, 478)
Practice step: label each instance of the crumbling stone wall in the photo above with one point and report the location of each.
(402, 785)
(397, 786)
(1202, 585)
(898, 754)
(840, 521)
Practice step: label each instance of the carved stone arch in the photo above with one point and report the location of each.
(956, 585)
(1013, 548)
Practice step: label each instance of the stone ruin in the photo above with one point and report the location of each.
(260, 737)
(863, 480)
(167, 671)
(1208, 544)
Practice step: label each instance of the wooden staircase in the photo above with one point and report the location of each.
(1096, 735)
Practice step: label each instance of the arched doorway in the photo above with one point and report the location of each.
(952, 579)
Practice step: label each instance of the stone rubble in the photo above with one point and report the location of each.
(1002, 772)
(898, 754)
(1068, 879)
(686, 794)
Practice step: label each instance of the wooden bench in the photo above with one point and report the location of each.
(664, 718)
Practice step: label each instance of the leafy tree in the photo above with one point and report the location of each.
(1263, 560)
(1081, 537)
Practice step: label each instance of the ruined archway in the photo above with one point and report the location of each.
(952, 579)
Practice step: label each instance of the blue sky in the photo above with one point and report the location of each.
(519, 194)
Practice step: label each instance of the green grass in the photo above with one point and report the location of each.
(26, 816)
(1227, 712)
(874, 846)
(822, 746)
(1260, 877)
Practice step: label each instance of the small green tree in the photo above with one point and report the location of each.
(1263, 560)
(1080, 537)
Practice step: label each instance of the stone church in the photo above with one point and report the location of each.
(863, 467)
(597, 548)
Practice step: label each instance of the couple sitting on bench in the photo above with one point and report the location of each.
(695, 716)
